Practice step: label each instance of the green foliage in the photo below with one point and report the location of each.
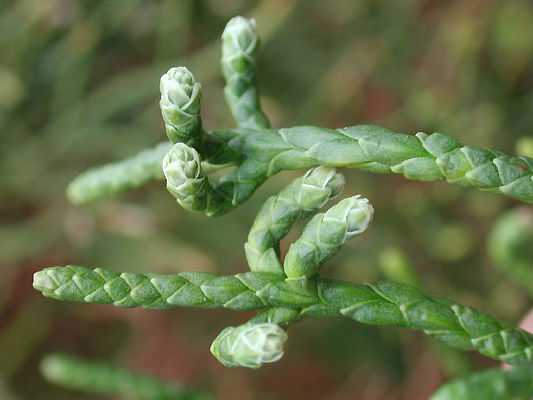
(324, 235)
(102, 378)
(281, 211)
(371, 148)
(379, 304)
(286, 295)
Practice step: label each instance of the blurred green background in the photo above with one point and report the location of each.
(79, 84)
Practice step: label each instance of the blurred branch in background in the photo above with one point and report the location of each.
(491, 384)
(102, 378)
(511, 246)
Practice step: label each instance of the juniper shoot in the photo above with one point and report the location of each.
(287, 290)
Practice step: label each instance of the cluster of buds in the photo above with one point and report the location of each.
(255, 343)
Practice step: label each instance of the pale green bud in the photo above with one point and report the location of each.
(357, 212)
(239, 40)
(183, 172)
(320, 185)
(180, 104)
(249, 345)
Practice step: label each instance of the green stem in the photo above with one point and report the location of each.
(379, 304)
(266, 152)
(375, 149)
(282, 316)
(96, 377)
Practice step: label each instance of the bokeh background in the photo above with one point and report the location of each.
(79, 87)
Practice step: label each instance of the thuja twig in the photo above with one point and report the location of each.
(510, 246)
(240, 44)
(375, 304)
(281, 211)
(261, 153)
(493, 384)
(375, 149)
(288, 291)
(118, 177)
(324, 235)
(321, 239)
(102, 378)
